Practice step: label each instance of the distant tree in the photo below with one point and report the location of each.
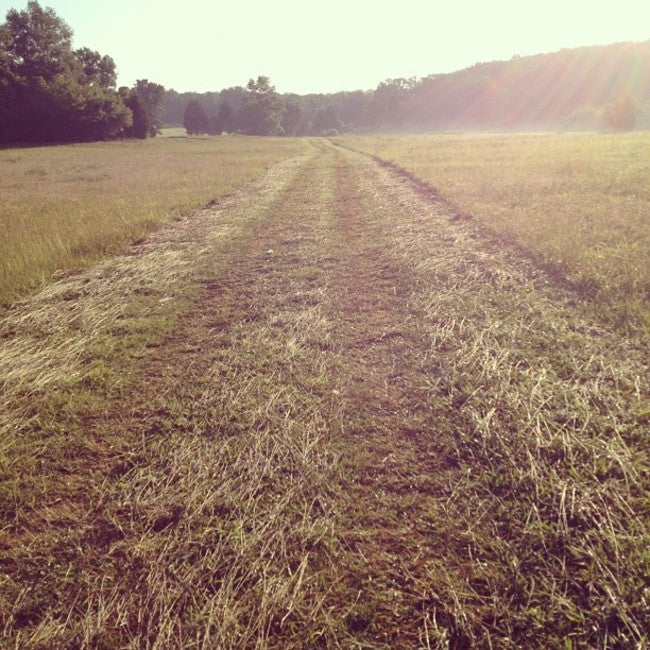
(621, 115)
(195, 120)
(141, 121)
(141, 124)
(224, 120)
(234, 96)
(569, 89)
(584, 118)
(326, 119)
(152, 96)
(292, 122)
(262, 109)
(353, 107)
(391, 99)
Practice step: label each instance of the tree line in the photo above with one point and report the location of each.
(50, 92)
(258, 109)
(591, 88)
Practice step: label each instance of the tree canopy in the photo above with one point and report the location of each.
(52, 93)
(575, 89)
(262, 109)
(152, 96)
(223, 121)
(195, 120)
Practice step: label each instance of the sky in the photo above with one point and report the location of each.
(306, 46)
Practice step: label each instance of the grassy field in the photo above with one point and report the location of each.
(63, 207)
(324, 413)
(579, 201)
(173, 132)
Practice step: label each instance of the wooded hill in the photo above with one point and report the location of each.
(583, 88)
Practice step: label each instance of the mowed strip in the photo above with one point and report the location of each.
(77, 364)
(500, 438)
(194, 525)
(361, 434)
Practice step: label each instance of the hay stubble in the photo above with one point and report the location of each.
(367, 426)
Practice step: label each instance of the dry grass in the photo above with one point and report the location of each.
(216, 474)
(63, 207)
(536, 422)
(579, 201)
(173, 132)
(370, 426)
(63, 338)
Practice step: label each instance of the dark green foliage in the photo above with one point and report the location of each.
(63, 110)
(152, 95)
(141, 126)
(141, 120)
(97, 69)
(262, 110)
(51, 93)
(38, 43)
(223, 121)
(195, 120)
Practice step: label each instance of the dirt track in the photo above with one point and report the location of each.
(372, 426)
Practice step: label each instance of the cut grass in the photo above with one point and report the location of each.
(231, 409)
(370, 427)
(529, 425)
(579, 201)
(63, 207)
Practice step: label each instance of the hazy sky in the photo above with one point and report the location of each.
(307, 46)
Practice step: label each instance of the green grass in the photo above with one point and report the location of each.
(333, 416)
(581, 202)
(173, 132)
(63, 207)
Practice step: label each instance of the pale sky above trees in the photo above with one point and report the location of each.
(308, 46)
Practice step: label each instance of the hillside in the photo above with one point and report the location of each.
(572, 88)
(546, 89)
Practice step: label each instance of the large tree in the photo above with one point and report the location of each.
(262, 109)
(141, 125)
(391, 101)
(38, 43)
(97, 69)
(326, 119)
(223, 121)
(292, 120)
(195, 120)
(49, 92)
(152, 95)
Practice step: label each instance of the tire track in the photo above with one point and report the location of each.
(374, 428)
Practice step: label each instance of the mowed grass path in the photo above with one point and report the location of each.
(581, 202)
(363, 424)
(63, 207)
